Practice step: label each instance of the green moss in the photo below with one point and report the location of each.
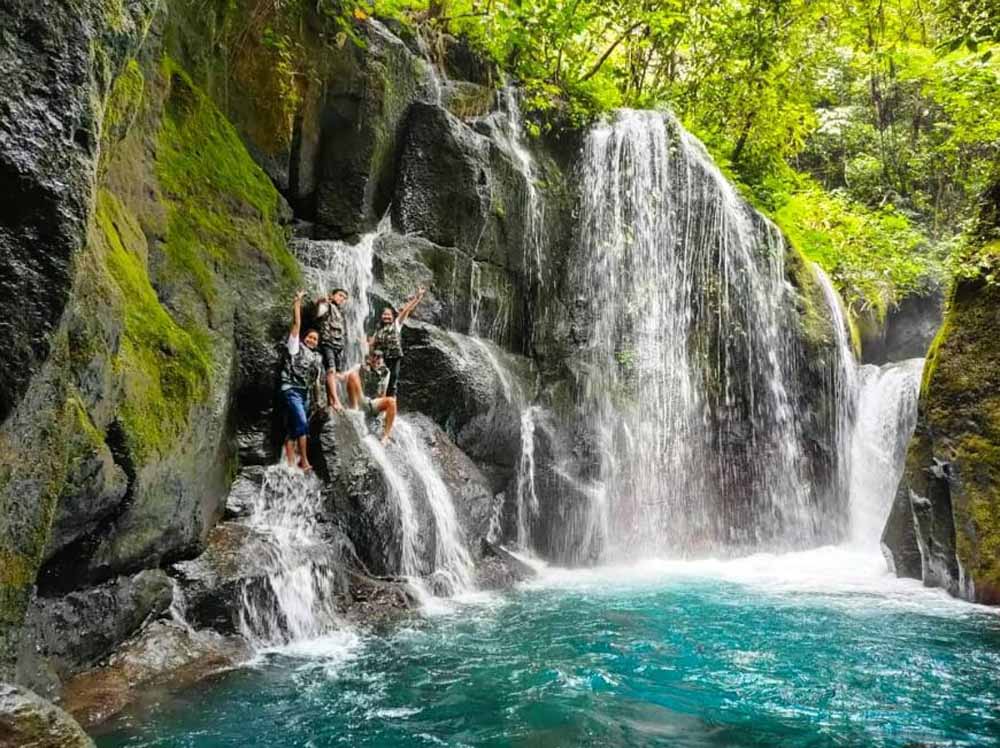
(16, 570)
(979, 511)
(815, 320)
(220, 203)
(164, 368)
(124, 102)
(960, 412)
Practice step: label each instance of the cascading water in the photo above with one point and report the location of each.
(527, 493)
(886, 417)
(512, 139)
(690, 372)
(298, 600)
(453, 568)
(843, 389)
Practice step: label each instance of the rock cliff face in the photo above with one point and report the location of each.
(117, 453)
(160, 158)
(945, 522)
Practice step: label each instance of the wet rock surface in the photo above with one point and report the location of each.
(28, 721)
(907, 331)
(49, 131)
(164, 654)
(366, 101)
(65, 635)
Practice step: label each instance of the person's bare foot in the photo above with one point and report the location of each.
(306, 467)
(385, 440)
(337, 407)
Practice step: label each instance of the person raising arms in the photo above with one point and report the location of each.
(330, 317)
(388, 337)
(300, 373)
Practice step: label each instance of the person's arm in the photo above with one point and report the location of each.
(412, 304)
(293, 334)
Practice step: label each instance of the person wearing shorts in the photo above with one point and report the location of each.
(332, 327)
(367, 386)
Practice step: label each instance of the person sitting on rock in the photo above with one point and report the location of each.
(330, 316)
(300, 374)
(367, 384)
(388, 337)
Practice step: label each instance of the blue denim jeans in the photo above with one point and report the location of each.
(295, 412)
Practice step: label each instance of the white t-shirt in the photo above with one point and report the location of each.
(293, 345)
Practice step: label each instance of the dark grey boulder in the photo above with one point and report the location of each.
(237, 563)
(498, 569)
(28, 721)
(465, 295)
(357, 493)
(899, 538)
(49, 131)
(65, 635)
(471, 389)
(907, 330)
(95, 487)
(443, 192)
(366, 100)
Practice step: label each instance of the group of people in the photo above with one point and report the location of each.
(319, 354)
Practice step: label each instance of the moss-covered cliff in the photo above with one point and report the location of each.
(119, 452)
(945, 523)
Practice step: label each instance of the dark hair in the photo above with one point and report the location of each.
(309, 332)
(344, 291)
(376, 352)
(391, 309)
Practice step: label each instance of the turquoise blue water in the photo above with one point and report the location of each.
(741, 654)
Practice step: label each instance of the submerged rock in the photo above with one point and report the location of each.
(28, 721)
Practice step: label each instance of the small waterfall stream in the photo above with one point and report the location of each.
(298, 601)
(886, 417)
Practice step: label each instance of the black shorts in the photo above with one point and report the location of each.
(393, 365)
(333, 357)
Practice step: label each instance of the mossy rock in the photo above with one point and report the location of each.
(953, 463)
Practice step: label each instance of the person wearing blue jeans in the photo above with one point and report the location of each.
(300, 373)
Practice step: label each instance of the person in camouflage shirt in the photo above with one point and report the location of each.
(367, 386)
(300, 374)
(388, 337)
(332, 328)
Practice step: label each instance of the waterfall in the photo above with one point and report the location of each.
(688, 370)
(843, 391)
(512, 140)
(453, 568)
(527, 495)
(886, 417)
(298, 600)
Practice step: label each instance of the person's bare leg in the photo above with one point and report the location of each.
(290, 452)
(387, 405)
(332, 398)
(354, 389)
(304, 453)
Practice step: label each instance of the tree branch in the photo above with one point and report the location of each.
(607, 53)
